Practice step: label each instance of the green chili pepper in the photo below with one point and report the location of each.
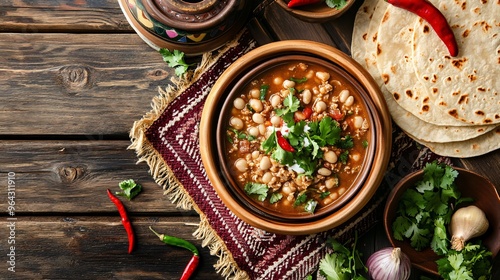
(179, 242)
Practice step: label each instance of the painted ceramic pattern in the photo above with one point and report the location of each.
(172, 34)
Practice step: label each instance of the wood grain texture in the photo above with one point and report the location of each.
(63, 84)
(71, 177)
(65, 247)
(57, 16)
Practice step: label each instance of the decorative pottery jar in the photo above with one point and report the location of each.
(191, 26)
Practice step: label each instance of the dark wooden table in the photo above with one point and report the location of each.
(73, 79)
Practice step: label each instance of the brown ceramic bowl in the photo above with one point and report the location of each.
(223, 143)
(212, 159)
(470, 184)
(315, 13)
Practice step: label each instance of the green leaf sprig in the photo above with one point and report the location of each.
(130, 189)
(343, 263)
(175, 59)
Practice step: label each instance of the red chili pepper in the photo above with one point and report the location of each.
(298, 3)
(434, 17)
(337, 115)
(179, 242)
(125, 220)
(284, 143)
(307, 112)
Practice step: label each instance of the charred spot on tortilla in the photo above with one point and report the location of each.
(466, 33)
(442, 103)
(426, 29)
(426, 99)
(386, 17)
(385, 78)
(448, 79)
(426, 78)
(365, 36)
(463, 99)
(482, 89)
(455, 93)
(434, 90)
(393, 69)
(425, 108)
(440, 66)
(479, 113)
(374, 37)
(458, 63)
(396, 95)
(472, 77)
(453, 113)
(379, 50)
(409, 93)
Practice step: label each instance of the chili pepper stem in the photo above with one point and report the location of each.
(157, 234)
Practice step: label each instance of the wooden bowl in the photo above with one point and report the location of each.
(470, 184)
(315, 13)
(212, 161)
(193, 27)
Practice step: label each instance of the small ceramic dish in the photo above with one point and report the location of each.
(212, 159)
(193, 27)
(470, 184)
(315, 13)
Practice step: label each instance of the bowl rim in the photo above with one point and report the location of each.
(221, 142)
(315, 17)
(429, 264)
(380, 161)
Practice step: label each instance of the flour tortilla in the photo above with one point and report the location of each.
(363, 49)
(465, 87)
(469, 148)
(394, 62)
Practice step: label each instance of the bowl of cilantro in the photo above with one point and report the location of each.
(418, 213)
(315, 11)
(295, 137)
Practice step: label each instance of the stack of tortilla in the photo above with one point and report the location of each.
(449, 104)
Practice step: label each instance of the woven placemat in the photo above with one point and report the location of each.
(167, 139)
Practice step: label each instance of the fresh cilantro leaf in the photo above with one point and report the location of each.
(263, 91)
(343, 263)
(332, 266)
(175, 60)
(324, 195)
(270, 143)
(344, 156)
(241, 135)
(282, 156)
(310, 206)
(275, 197)
(364, 143)
(301, 199)
(291, 104)
(298, 81)
(257, 189)
(336, 4)
(346, 143)
(330, 130)
(129, 188)
(439, 243)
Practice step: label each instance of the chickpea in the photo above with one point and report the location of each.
(266, 178)
(262, 129)
(349, 101)
(276, 121)
(341, 191)
(275, 100)
(255, 154)
(343, 95)
(258, 118)
(355, 156)
(288, 84)
(327, 201)
(332, 182)
(324, 171)
(306, 96)
(278, 81)
(333, 196)
(256, 105)
(254, 131)
(236, 123)
(357, 121)
(265, 163)
(241, 165)
(323, 76)
(239, 103)
(255, 93)
(320, 106)
(330, 156)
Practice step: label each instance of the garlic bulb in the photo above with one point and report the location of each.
(389, 264)
(466, 223)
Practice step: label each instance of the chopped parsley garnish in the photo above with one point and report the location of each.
(275, 197)
(260, 190)
(240, 135)
(263, 91)
(298, 81)
(175, 59)
(473, 262)
(292, 104)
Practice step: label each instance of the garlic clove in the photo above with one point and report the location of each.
(466, 223)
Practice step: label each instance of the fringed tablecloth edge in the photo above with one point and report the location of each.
(163, 175)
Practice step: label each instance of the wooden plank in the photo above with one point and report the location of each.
(488, 165)
(72, 177)
(83, 84)
(287, 27)
(62, 16)
(96, 248)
